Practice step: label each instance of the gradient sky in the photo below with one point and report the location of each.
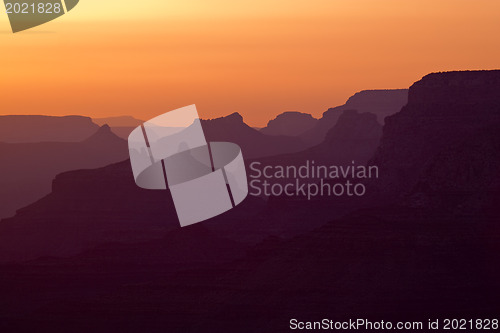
(260, 58)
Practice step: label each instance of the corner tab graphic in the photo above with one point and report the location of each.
(27, 14)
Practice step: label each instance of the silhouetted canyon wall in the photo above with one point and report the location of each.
(445, 138)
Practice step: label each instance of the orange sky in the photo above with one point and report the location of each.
(260, 58)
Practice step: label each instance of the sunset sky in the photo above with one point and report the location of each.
(260, 58)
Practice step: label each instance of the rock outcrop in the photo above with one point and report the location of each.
(253, 143)
(382, 103)
(291, 123)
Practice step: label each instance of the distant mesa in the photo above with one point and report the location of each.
(253, 143)
(23, 129)
(120, 121)
(382, 103)
(104, 135)
(121, 125)
(290, 123)
(354, 137)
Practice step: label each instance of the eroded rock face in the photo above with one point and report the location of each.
(445, 138)
(355, 137)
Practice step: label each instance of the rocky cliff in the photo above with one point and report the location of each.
(445, 139)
